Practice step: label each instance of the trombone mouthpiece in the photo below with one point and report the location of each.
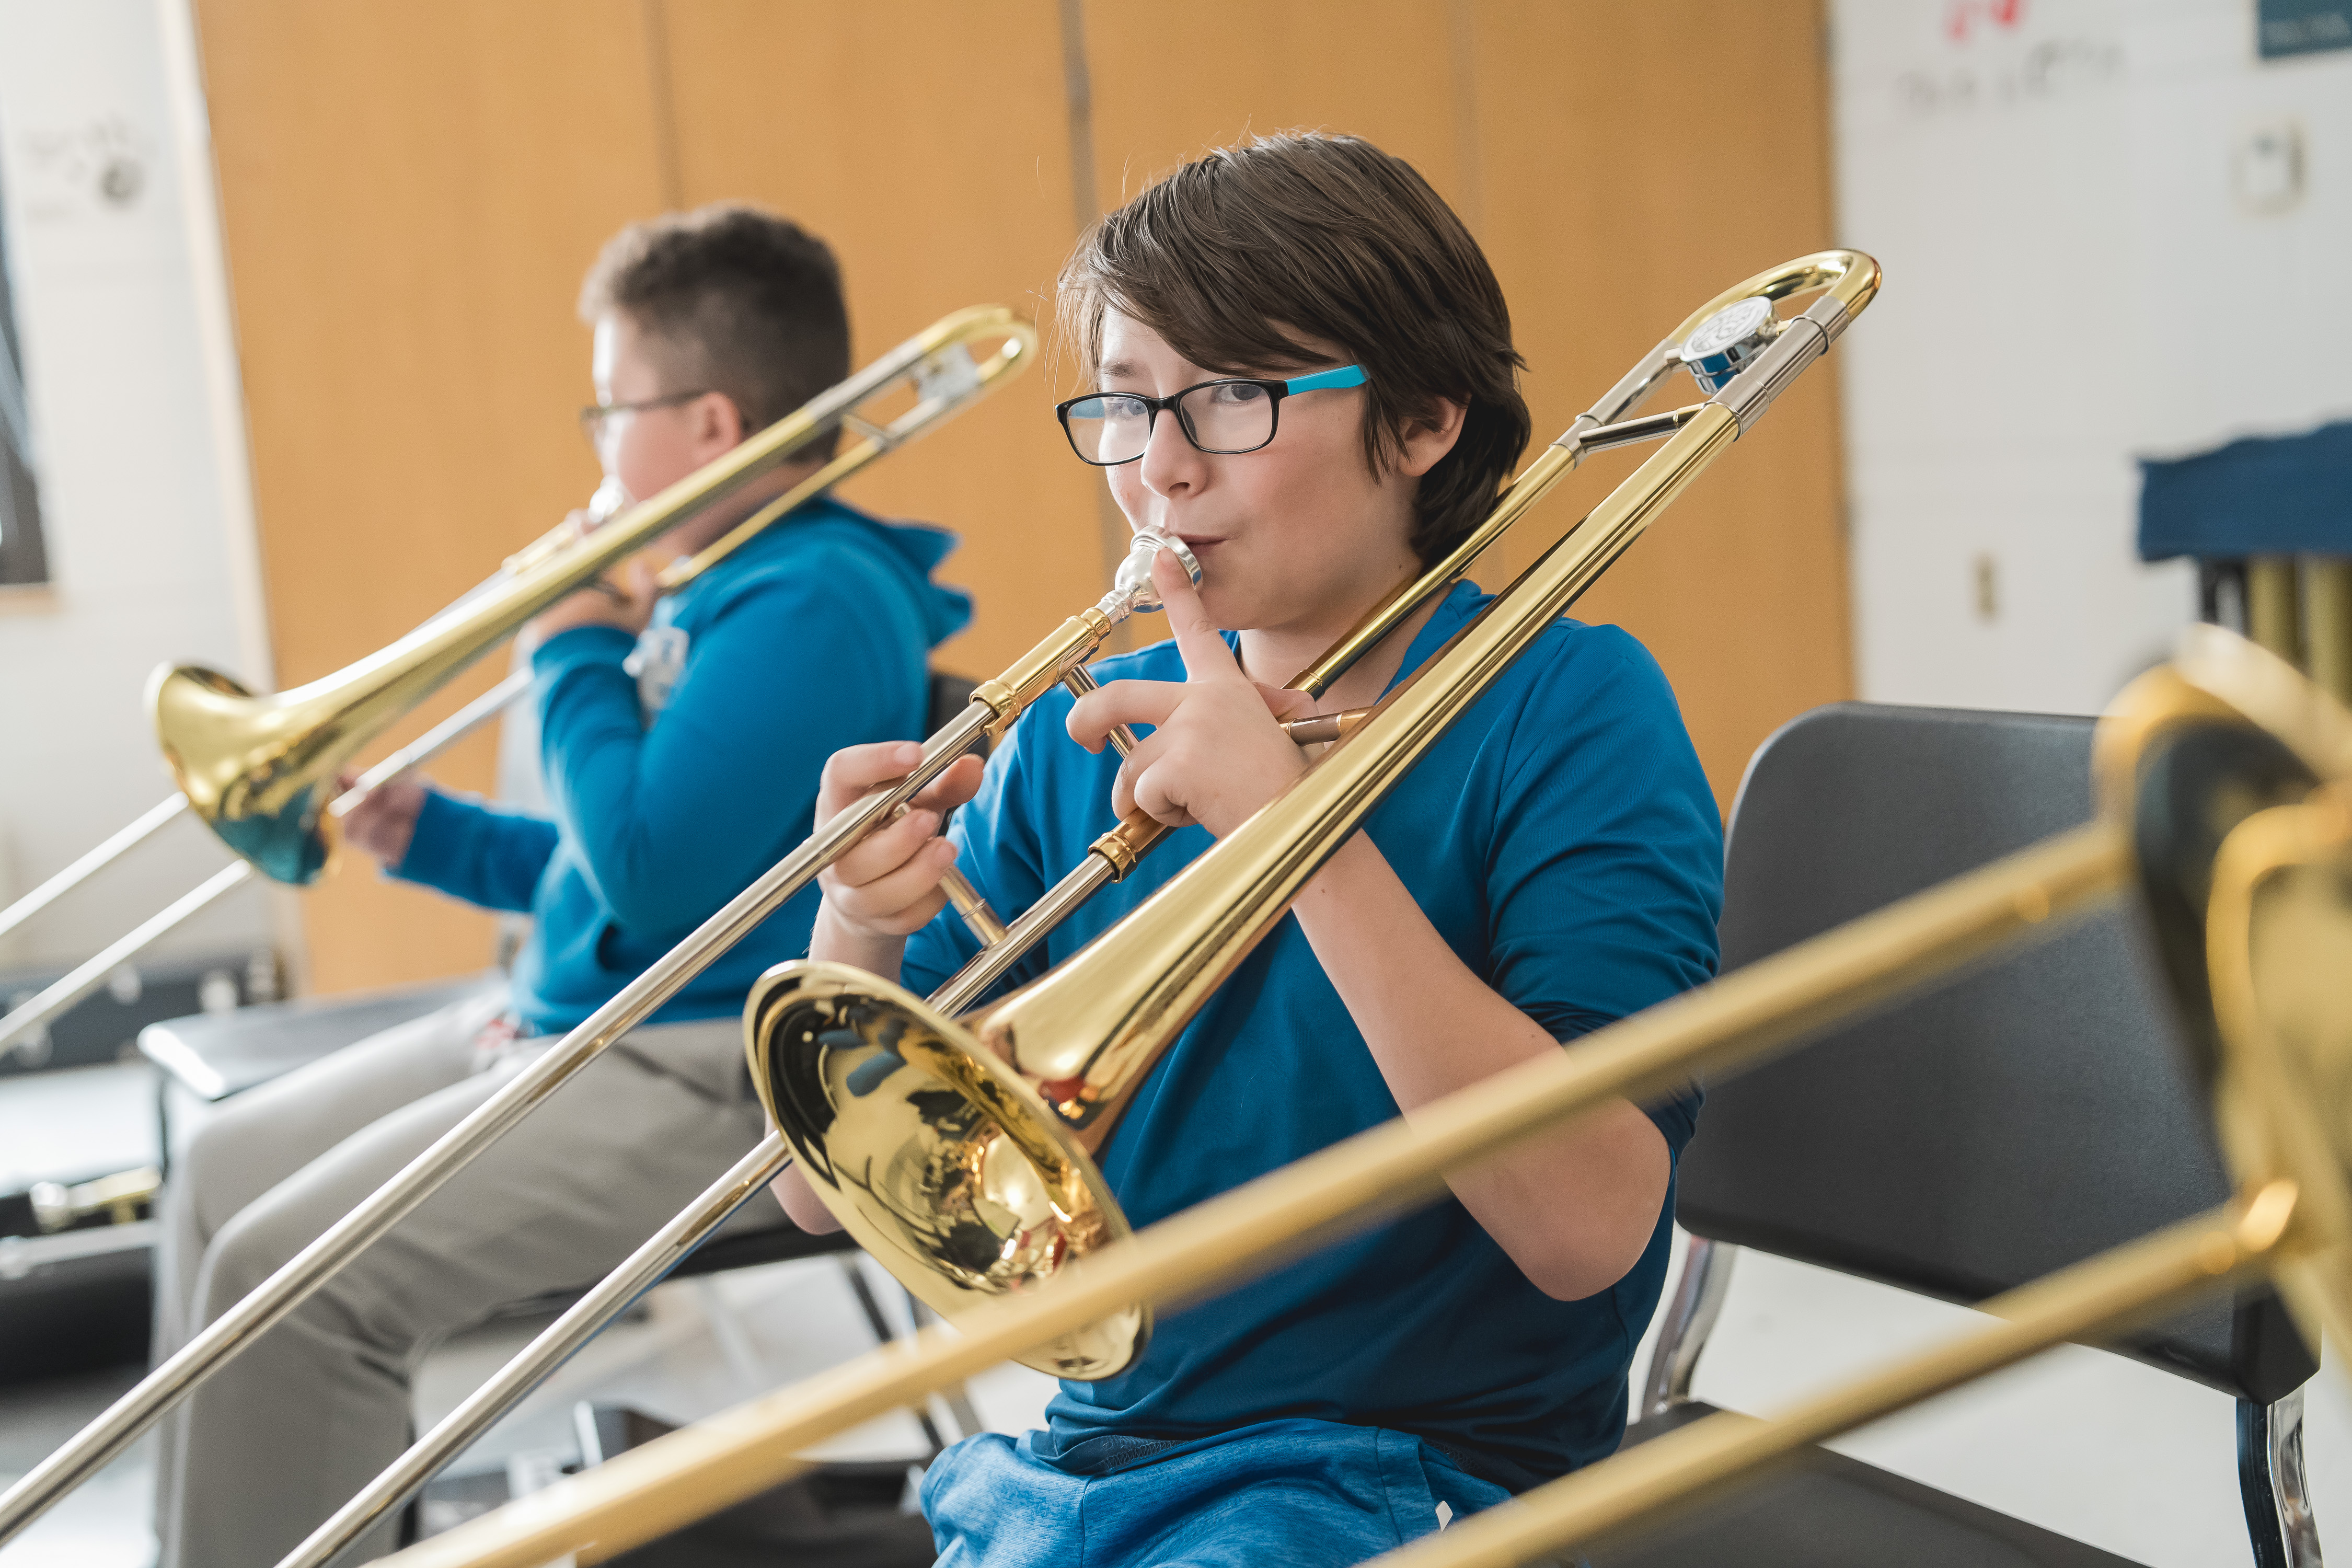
(609, 498)
(1132, 590)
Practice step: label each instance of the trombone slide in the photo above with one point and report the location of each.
(142, 829)
(643, 1269)
(91, 974)
(120, 1424)
(996, 705)
(535, 1362)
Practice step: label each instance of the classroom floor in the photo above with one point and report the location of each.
(2127, 1458)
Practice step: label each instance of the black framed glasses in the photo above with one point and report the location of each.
(593, 416)
(1223, 418)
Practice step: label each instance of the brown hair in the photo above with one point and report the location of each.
(1231, 255)
(749, 301)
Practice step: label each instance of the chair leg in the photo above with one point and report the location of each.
(884, 1333)
(956, 1396)
(2271, 1484)
(1690, 1318)
(735, 1346)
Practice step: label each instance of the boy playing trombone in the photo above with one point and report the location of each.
(680, 740)
(1301, 364)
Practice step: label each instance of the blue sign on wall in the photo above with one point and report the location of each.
(2302, 26)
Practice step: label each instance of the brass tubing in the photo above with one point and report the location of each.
(2271, 621)
(244, 761)
(88, 975)
(1550, 466)
(2327, 623)
(1634, 432)
(1035, 1081)
(971, 907)
(143, 827)
(91, 974)
(1096, 1019)
(1735, 1022)
(434, 742)
(1108, 860)
(535, 1362)
(2116, 1291)
(2273, 1106)
(239, 757)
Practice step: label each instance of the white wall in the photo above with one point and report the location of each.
(140, 442)
(2072, 280)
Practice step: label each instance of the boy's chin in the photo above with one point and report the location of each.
(1231, 612)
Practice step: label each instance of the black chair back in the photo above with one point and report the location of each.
(2036, 1112)
(950, 695)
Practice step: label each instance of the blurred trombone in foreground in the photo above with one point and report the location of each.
(2225, 782)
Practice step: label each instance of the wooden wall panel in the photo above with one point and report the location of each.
(1167, 90)
(1638, 160)
(1612, 203)
(936, 161)
(410, 194)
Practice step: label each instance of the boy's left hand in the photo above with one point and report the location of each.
(1216, 751)
(630, 606)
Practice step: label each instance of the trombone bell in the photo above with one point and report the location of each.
(934, 1154)
(258, 770)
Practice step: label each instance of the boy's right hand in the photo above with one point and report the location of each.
(888, 887)
(385, 819)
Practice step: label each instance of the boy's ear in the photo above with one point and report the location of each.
(718, 422)
(1426, 439)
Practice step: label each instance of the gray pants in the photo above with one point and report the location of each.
(289, 1430)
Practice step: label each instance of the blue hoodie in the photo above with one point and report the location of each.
(682, 764)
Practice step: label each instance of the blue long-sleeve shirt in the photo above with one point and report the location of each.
(677, 776)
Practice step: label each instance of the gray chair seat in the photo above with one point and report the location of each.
(215, 1055)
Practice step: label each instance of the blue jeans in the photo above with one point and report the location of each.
(1301, 1493)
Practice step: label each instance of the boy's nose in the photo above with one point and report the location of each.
(1171, 463)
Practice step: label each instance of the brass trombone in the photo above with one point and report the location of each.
(992, 1189)
(2279, 1064)
(945, 1129)
(1599, 428)
(298, 741)
(257, 770)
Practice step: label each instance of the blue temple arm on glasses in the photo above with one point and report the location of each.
(1346, 376)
